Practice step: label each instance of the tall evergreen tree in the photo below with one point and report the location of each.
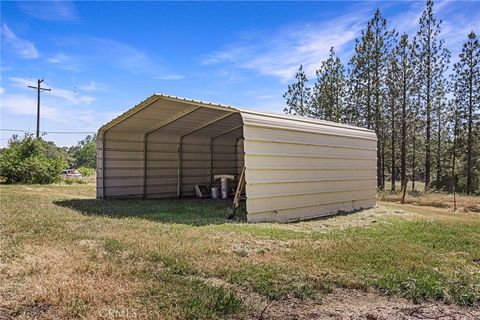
(404, 52)
(369, 77)
(393, 93)
(298, 95)
(329, 90)
(453, 109)
(467, 94)
(414, 134)
(352, 108)
(432, 61)
(361, 78)
(440, 124)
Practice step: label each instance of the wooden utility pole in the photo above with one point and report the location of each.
(39, 90)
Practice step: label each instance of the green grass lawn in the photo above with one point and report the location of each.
(65, 255)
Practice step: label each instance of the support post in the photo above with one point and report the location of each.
(236, 158)
(210, 160)
(103, 165)
(144, 166)
(179, 170)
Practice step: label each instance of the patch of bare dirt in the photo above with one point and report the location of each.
(344, 304)
(357, 305)
(35, 310)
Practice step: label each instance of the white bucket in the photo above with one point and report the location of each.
(215, 193)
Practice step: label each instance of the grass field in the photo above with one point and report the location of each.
(66, 255)
(437, 199)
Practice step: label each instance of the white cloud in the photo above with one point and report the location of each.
(57, 10)
(64, 62)
(280, 54)
(65, 94)
(91, 87)
(23, 48)
(92, 51)
(122, 55)
(59, 58)
(172, 77)
(26, 105)
(22, 81)
(71, 96)
(2, 90)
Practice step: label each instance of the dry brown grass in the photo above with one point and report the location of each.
(65, 255)
(435, 199)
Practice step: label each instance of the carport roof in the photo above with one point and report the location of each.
(274, 119)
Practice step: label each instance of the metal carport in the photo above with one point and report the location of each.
(296, 167)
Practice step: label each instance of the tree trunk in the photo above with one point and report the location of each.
(428, 109)
(414, 132)
(393, 145)
(470, 133)
(439, 145)
(404, 132)
(454, 180)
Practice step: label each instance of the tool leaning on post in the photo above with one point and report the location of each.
(236, 199)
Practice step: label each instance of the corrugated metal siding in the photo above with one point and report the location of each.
(296, 168)
(304, 171)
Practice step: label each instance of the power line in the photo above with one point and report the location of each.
(70, 132)
(15, 130)
(51, 132)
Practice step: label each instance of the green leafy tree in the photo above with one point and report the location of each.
(30, 160)
(84, 154)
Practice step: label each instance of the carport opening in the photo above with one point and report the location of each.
(194, 149)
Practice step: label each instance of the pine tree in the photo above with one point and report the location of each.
(414, 132)
(432, 61)
(467, 94)
(329, 90)
(453, 108)
(361, 78)
(440, 110)
(393, 93)
(403, 52)
(298, 95)
(368, 77)
(352, 108)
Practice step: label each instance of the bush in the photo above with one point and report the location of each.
(71, 181)
(31, 160)
(84, 154)
(86, 172)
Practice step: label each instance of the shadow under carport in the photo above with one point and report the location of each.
(196, 212)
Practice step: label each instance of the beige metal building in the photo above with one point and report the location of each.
(296, 167)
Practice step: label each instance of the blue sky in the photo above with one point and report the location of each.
(101, 58)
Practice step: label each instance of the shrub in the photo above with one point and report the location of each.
(86, 172)
(31, 160)
(71, 181)
(84, 154)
